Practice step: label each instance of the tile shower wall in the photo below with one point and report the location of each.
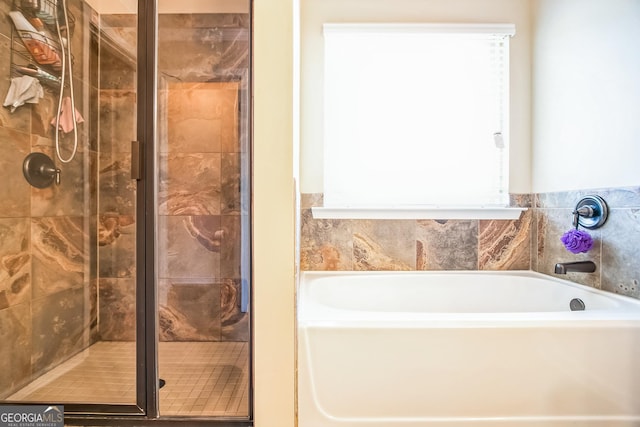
(115, 91)
(199, 208)
(531, 242)
(203, 61)
(46, 278)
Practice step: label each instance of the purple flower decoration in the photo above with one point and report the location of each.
(577, 241)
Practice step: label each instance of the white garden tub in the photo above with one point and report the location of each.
(465, 349)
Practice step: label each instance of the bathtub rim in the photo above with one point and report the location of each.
(311, 313)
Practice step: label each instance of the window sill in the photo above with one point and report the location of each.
(435, 212)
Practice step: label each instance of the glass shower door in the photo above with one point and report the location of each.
(68, 248)
(203, 207)
(124, 289)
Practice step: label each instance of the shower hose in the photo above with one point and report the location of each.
(65, 48)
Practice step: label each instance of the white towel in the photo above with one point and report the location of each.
(25, 89)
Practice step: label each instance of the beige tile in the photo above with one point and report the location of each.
(15, 190)
(447, 245)
(59, 255)
(189, 184)
(15, 270)
(384, 245)
(504, 244)
(203, 117)
(198, 236)
(203, 378)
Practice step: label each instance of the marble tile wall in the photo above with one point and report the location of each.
(116, 213)
(199, 208)
(45, 234)
(616, 243)
(203, 63)
(530, 242)
(203, 104)
(64, 248)
(338, 244)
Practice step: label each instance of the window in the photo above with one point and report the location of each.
(416, 115)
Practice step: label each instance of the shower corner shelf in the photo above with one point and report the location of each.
(37, 53)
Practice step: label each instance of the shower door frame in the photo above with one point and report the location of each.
(147, 411)
(146, 407)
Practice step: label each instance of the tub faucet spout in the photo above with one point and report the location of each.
(578, 267)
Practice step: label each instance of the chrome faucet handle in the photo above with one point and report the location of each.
(586, 211)
(591, 212)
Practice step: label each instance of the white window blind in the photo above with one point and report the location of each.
(416, 114)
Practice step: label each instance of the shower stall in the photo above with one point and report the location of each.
(125, 229)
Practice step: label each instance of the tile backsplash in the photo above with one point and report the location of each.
(616, 243)
(531, 242)
(352, 244)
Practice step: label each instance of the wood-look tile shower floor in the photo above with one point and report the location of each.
(202, 378)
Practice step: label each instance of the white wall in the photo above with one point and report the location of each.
(315, 12)
(273, 214)
(586, 115)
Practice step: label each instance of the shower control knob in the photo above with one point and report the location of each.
(40, 171)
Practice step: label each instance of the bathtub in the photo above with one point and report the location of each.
(468, 349)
